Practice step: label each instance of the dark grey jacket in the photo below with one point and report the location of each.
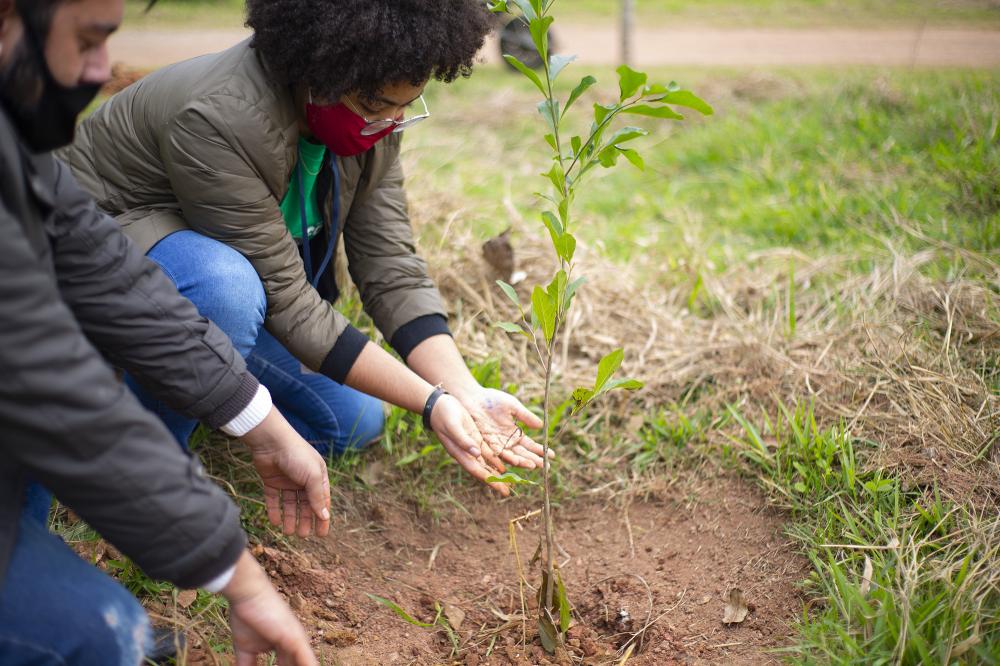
(74, 295)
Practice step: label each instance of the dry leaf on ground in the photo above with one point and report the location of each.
(455, 615)
(186, 597)
(736, 608)
(866, 577)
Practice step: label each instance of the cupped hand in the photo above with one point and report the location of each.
(296, 489)
(462, 440)
(496, 415)
(295, 478)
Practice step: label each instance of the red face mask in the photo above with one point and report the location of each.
(339, 129)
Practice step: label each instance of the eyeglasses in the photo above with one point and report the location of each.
(377, 126)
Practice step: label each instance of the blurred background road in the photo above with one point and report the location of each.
(657, 45)
(908, 33)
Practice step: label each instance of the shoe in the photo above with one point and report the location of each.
(166, 644)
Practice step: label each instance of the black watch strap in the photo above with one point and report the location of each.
(429, 405)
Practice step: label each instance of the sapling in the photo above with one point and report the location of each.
(571, 160)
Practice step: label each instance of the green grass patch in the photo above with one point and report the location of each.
(832, 162)
(899, 576)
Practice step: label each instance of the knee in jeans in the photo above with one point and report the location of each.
(367, 426)
(122, 637)
(241, 294)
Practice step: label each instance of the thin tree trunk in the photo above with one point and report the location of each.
(628, 20)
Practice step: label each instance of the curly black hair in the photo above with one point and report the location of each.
(342, 46)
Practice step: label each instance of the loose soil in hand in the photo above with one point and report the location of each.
(666, 563)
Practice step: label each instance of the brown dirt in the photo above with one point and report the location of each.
(689, 547)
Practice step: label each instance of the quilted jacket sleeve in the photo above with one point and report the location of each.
(132, 312)
(392, 279)
(75, 428)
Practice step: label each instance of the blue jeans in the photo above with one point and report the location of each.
(227, 290)
(57, 609)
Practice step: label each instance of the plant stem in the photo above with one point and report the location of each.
(550, 350)
(547, 507)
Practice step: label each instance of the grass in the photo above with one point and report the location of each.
(816, 160)
(899, 576)
(725, 13)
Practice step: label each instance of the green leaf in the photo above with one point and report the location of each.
(608, 366)
(564, 210)
(585, 83)
(556, 176)
(626, 134)
(654, 112)
(544, 308)
(545, 108)
(576, 143)
(557, 288)
(509, 327)
(634, 157)
(601, 111)
(512, 478)
(557, 63)
(660, 89)
(624, 384)
(629, 81)
(687, 99)
(414, 456)
(498, 6)
(539, 27)
(572, 287)
(510, 292)
(564, 611)
(526, 9)
(608, 157)
(394, 607)
(551, 140)
(553, 225)
(566, 247)
(524, 69)
(546, 632)
(583, 395)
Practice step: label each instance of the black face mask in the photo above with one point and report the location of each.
(50, 122)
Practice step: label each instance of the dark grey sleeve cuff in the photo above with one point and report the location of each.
(233, 407)
(345, 352)
(231, 551)
(406, 339)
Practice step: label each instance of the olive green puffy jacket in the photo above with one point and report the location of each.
(210, 144)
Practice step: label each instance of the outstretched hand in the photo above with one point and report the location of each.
(496, 415)
(295, 478)
(296, 489)
(462, 440)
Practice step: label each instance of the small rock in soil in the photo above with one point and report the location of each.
(340, 637)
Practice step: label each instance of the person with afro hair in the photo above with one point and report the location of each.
(239, 173)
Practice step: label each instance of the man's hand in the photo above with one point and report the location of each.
(296, 483)
(462, 440)
(261, 621)
(496, 415)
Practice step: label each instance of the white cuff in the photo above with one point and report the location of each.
(252, 414)
(216, 584)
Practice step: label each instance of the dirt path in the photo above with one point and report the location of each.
(668, 561)
(655, 46)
